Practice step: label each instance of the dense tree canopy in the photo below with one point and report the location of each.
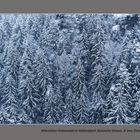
(69, 69)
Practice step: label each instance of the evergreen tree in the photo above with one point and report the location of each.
(68, 118)
(29, 94)
(42, 79)
(97, 83)
(120, 102)
(11, 108)
(136, 93)
(54, 108)
(81, 102)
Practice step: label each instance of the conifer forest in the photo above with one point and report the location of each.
(69, 68)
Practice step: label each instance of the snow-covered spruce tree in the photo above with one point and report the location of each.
(83, 41)
(30, 96)
(81, 101)
(13, 52)
(67, 32)
(120, 104)
(6, 28)
(66, 73)
(10, 111)
(35, 25)
(49, 107)
(98, 71)
(53, 104)
(136, 93)
(11, 107)
(3, 49)
(54, 107)
(126, 55)
(49, 39)
(18, 37)
(98, 66)
(69, 103)
(42, 80)
(49, 43)
(135, 80)
(137, 107)
(2, 41)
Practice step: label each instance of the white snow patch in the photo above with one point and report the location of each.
(116, 28)
(138, 50)
(113, 87)
(48, 91)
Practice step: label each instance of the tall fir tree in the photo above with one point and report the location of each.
(81, 101)
(120, 102)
